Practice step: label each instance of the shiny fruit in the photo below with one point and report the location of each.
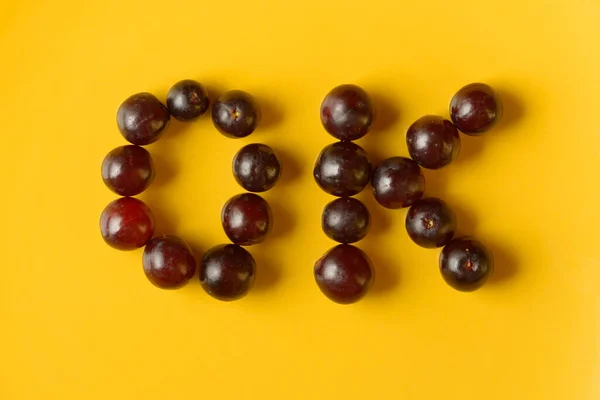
(342, 169)
(466, 264)
(344, 274)
(142, 119)
(128, 170)
(227, 272)
(256, 167)
(347, 112)
(235, 114)
(346, 220)
(127, 224)
(247, 219)
(475, 108)
(187, 100)
(168, 262)
(430, 223)
(398, 182)
(433, 142)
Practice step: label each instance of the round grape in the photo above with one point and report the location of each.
(127, 224)
(142, 119)
(168, 262)
(227, 272)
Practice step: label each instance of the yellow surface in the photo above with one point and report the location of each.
(80, 321)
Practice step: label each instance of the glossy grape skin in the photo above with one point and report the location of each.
(433, 142)
(466, 264)
(127, 224)
(475, 109)
(128, 170)
(142, 119)
(256, 167)
(227, 272)
(346, 220)
(235, 114)
(398, 182)
(430, 223)
(169, 262)
(342, 169)
(344, 274)
(247, 219)
(347, 112)
(187, 100)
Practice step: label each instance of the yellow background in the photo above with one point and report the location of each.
(80, 321)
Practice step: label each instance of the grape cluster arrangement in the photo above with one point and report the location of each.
(227, 271)
(343, 169)
(345, 274)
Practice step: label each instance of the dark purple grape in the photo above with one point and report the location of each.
(342, 169)
(235, 114)
(475, 109)
(466, 264)
(247, 219)
(430, 223)
(227, 272)
(187, 100)
(142, 119)
(344, 274)
(168, 262)
(128, 170)
(398, 182)
(256, 167)
(433, 142)
(346, 220)
(127, 224)
(347, 112)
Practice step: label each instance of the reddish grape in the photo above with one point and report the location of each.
(342, 169)
(247, 219)
(344, 274)
(168, 262)
(475, 108)
(398, 182)
(142, 119)
(128, 170)
(430, 223)
(187, 100)
(227, 272)
(235, 114)
(127, 224)
(433, 142)
(347, 112)
(256, 167)
(466, 264)
(346, 220)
